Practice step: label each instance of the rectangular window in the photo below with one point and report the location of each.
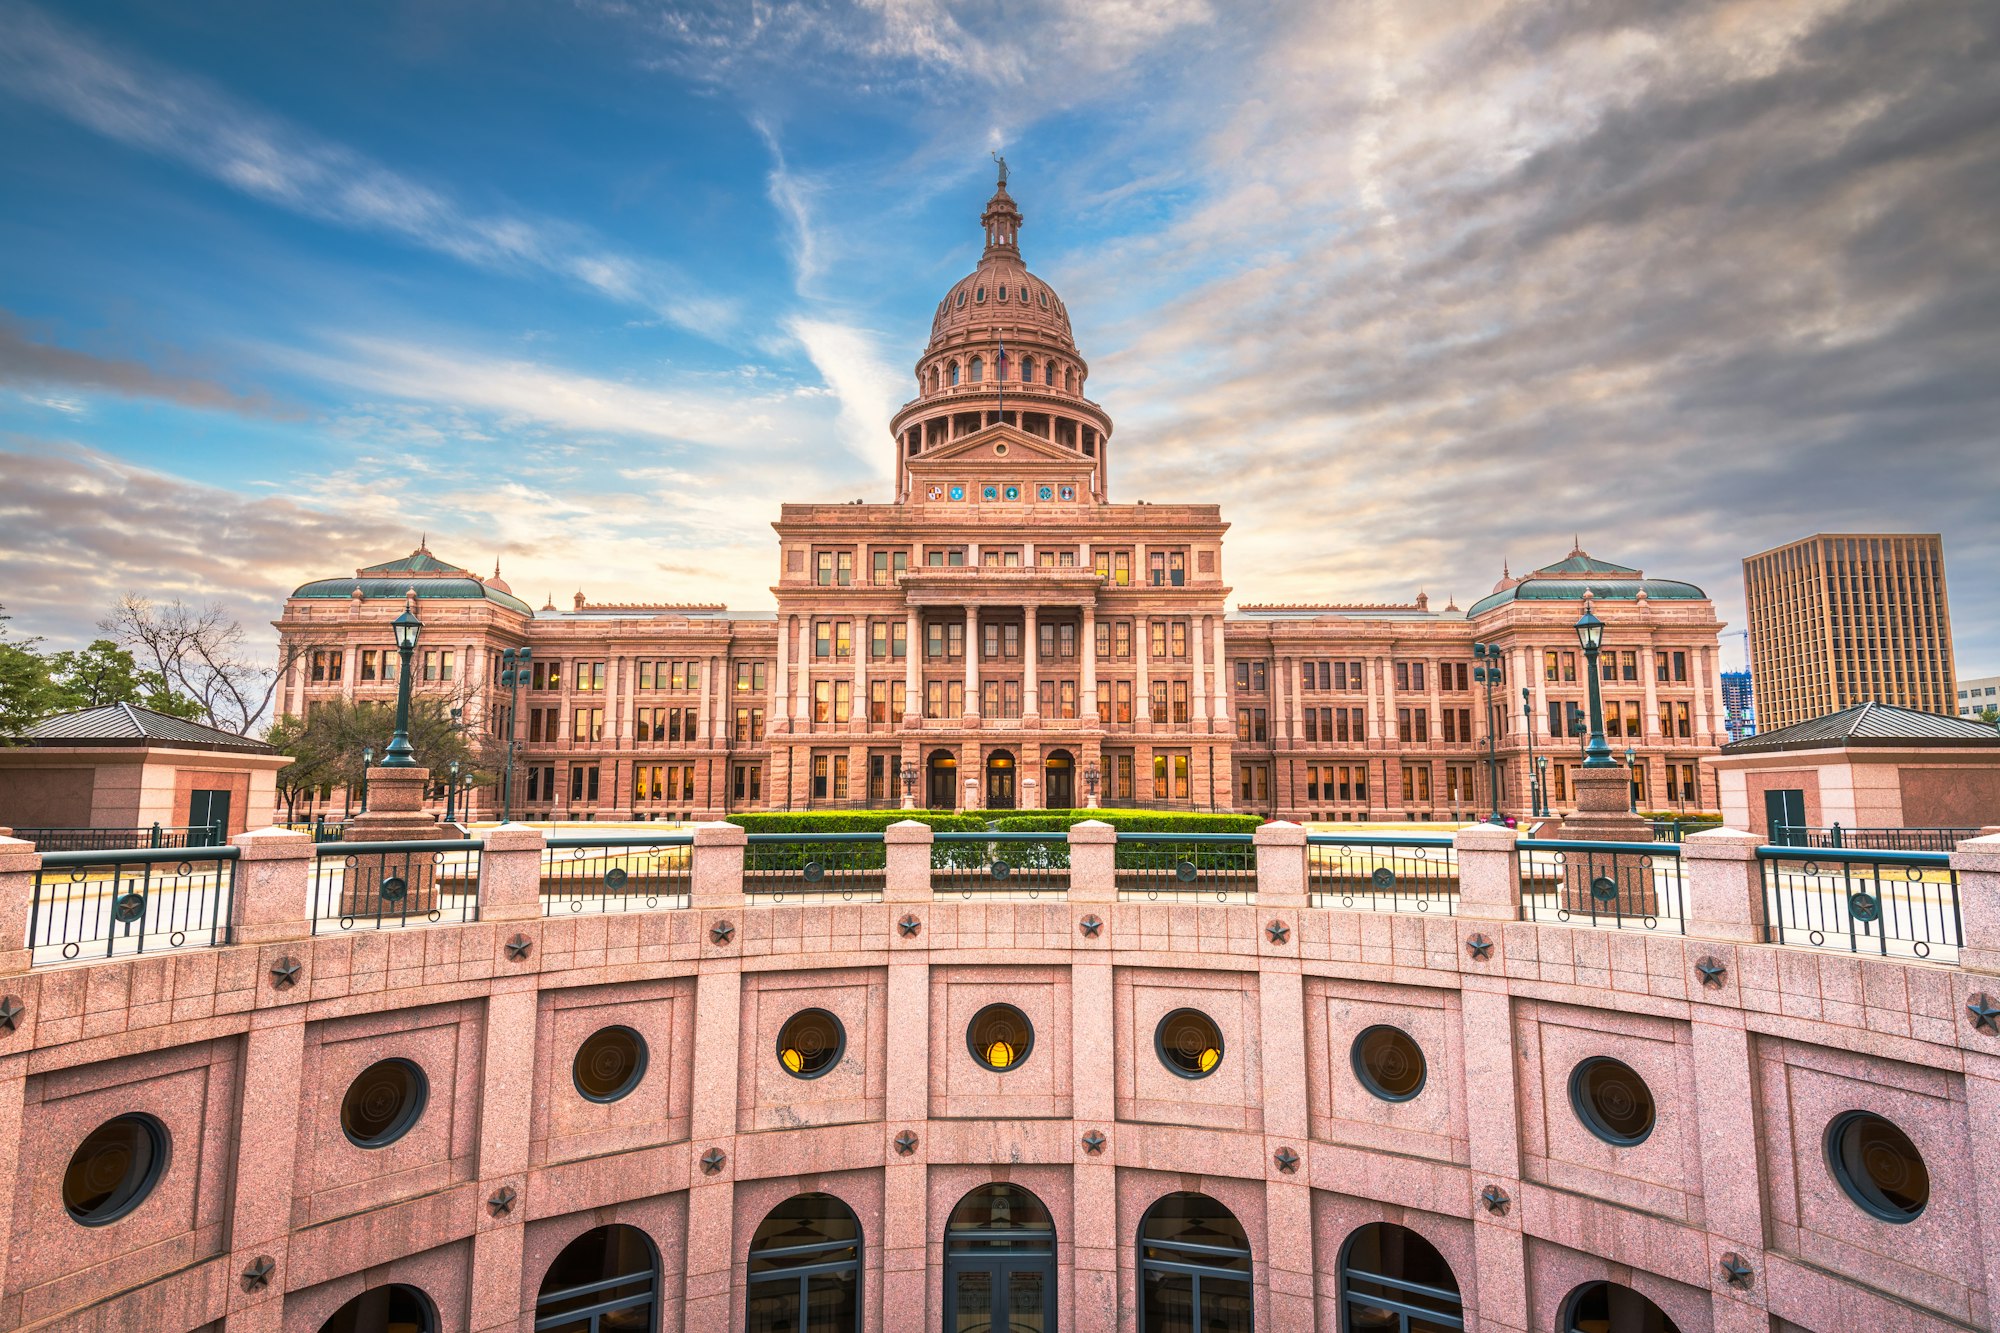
(1632, 718)
(1628, 662)
(1607, 666)
(888, 566)
(1402, 676)
(1065, 698)
(749, 724)
(368, 659)
(583, 782)
(1569, 668)
(1180, 702)
(1549, 665)
(1114, 565)
(1660, 667)
(1680, 668)
(749, 676)
(587, 724)
(1682, 726)
(1121, 639)
(878, 639)
(1157, 709)
(1417, 676)
(747, 782)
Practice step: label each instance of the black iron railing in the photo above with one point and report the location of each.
(1384, 873)
(381, 885)
(1190, 867)
(1673, 828)
(152, 837)
(792, 867)
(617, 873)
(1893, 903)
(1615, 885)
(89, 904)
(1000, 865)
(1835, 837)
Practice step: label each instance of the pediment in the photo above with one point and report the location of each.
(998, 443)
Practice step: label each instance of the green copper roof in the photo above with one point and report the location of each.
(1579, 563)
(426, 589)
(1572, 590)
(419, 561)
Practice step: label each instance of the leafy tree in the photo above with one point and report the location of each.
(326, 746)
(1990, 716)
(27, 695)
(105, 674)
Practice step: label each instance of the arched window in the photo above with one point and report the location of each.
(1049, 373)
(999, 1261)
(804, 1269)
(954, 374)
(1194, 1267)
(391, 1309)
(978, 369)
(1394, 1281)
(605, 1281)
(1606, 1307)
(1027, 370)
(1069, 380)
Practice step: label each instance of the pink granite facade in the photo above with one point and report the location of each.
(268, 1215)
(1010, 636)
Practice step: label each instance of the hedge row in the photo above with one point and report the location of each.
(1130, 821)
(852, 821)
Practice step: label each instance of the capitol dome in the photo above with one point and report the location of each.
(1001, 296)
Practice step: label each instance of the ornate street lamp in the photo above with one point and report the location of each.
(513, 674)
(401, 755)
(1537, 798)
(1542, 770)
(1590, 634)
(907, 775)
(451, 794)
(1631, 781)
(367, 762)
(1090, 782)
(1488, 674)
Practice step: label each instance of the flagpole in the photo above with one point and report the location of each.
(1000, 372)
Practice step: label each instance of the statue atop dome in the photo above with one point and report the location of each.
(1003, 169)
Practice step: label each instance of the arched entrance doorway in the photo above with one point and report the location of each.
(942, 780)
(1000, 780)
(804, 1269)
(1059, 780)
(999, 1263)
(391, 1309)
(1606, 1307)
(1194, 1267)
(605, 1281)
(1394, 1281)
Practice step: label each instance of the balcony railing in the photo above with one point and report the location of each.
(1386, 873)
(1187, 867)
(617, 873)
(1871, 839)
(807, 867)
(1000, 865)
(382, 885)
(120, 839)
(90, 904)
(1613, 885)
(1896, 904)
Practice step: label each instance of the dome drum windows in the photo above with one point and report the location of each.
(115, 1169)
(811, 1043)
(1877, 1166)
(1188, 1043)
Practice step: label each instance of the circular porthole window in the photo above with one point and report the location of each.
(1000, 1037)
(811, 1042)
(114, 1169)
(1878, 1166)
(1188, 1043)
(1612, 1101)
(1389, 1063)
(382, 1102)
(609, 1064)
(1001, 449)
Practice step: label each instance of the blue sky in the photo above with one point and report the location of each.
(1411, 289)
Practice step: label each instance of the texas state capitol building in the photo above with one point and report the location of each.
(1008, 633)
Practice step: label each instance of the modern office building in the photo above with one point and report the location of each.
(1003, 633)
(1977, 695)
(1839, 619)
(1739, 705)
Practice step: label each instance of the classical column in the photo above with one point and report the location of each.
(1698, 676)
(972, 661)
(782, 693)
(1198, 631)
(913, 678)
(1030, 702)
(1089, 662)
(1651, 676)
(1142, 706)
(1221, 685)
(803, 708)
(858, 714)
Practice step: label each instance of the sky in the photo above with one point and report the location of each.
(1411, 288)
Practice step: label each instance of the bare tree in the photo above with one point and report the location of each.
(199, 652)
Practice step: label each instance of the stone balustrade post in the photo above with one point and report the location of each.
(1725, 885)
(18, 863)
(716, 873)
(1093, 853)
(1977, 862)
(1489, 880)
(272, 897)
(510, 874)
(1281, 864)
(907, 848)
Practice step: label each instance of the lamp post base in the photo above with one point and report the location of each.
(1603, 814)
(395, 814)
